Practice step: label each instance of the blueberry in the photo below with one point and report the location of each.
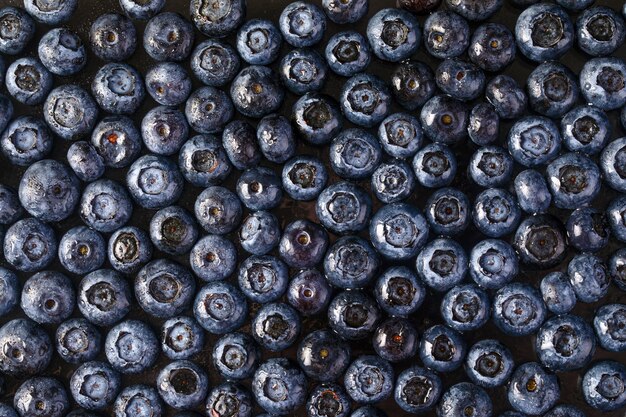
(353, 315)
(208, 110)
(351, 262)
(540, 241)
(587, 230)
(70, 112)
(532, 192)
(558, 293)
(259, 189)
(323, 356)
(154, 182)
(276, 326)
(117, 140)
(609, 326)
(552, 89)
(214, 62)
(182, 384)
(518, 310)
(616, 214)
(368, 410)
(616, 266)
(393, 34)
(10, 207)
(131, 347)
(447, 211)
(395, 339)
(25, 348)
(574, 180)
(48, 297)
(9, 291)
(142, 9)
(303, 71)
(460, 79)
(393, 182)
(565, 343)
(490, 166)
(603, 386)
(118, 88)
(434, 165)
(304, 177)
(309, 292)
(344, 207)
(613, 164)
(466, 307)
(328, 400)
(276, 138)
(544, 32)
(138, 400)
(585, 129)
(492, 46)
(348, 53)
(317, 118)
(18, 28)
(506, 96)
(213, 258)
(399, 292)
(365, 100)
(445, 119)
(104, 297)
(302, 24)
(29, 245)
(346, 11)
(181, 337)
(236, 355)
(496, 212)
(419, 6)
(6, 106)
(28, 81)
(129, 249)
(303, 244)
(220, 307)
(62, 52)
(229, 399)
(603, 82)
(218, 210)
(279, 386)
(475, 9)
(565, 410)
(256, 91)
(369, 379)
(533, 390)
(78, 341)
(600, 31)
(589, 277)
(81, 413)
(41, 396)
(446, 34)
(442, 349)
(164, 130)
(489, 363)
(398, 231)
(164, 288)
(168, 37)
(259, 233)
(575, 5)
(534, 141)
(51, 12)
(203, 161)
(441, 264)
(493, 263)
(168, 83)
(94, 385)
(400, 135)
(216, 18)
(412, 84)
(113, 37)
(173, 230)
(465, 399)
(259, 42)
(417, 389)
(263, 278)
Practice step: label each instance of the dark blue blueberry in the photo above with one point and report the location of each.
(518, 310)
(6, 106)
(259, 233)
(460, 79)
(256, 91)
(574, 180)
(8, 411)
(259, 189)
(29, 245)
(344, 207)
(220, 307)
(182, 384)
(493, 263)
(94, 385)
(303, 71)
(217, 18)
(492, 46)
(113, 37)
(317, 118)
(118, 88)
(544, 32)
(236, 355)
(603, 82)
(369, 410)
(613, 164)
(365, 100)
(347, 53)
(490, 166)
(351, 262)
(466, 307)
(540, 241)
(303, 244)
(435, 165)
(51, 12)
(400, 135)
(304, 177)
(446, 34)
(445, 119)
(412, 84)
(41, 396)
(131, 347)
(104, 297)
(585, 129)
(393, 34)
(441, 264)
(369, 379)
(62, 52)
(25, 348)
(181, 337)
(302, 24)
(587, 230)
(565, 410)
(18, 28)
(82, 250)
(345, 11)
(506, 96)
(10, 207)
(78, 341)
(117, 140)
(447, 211)
(417, 390)
(533, 390)
(393, 182)
(534, 141)
(141, 9)
(70, 112)
(164, 130)
(164, 288)
(616, 215)
(496, 212)
(558, 293)
(213, 258)
(610, 327)
(589, 277)
(328, 400)
(208, 110)
(215, 62)
(309, 292)
(489, 363)
(154, 182)
(600, 31)
(616, 266)
(263, 278)
(603, 386)
(276, 138)
(218, 210)
(229, 399)
(323, 356)
(9, 291)
(276, 326)
(203, 161)
(552, 89)
(399, 292)
(465, 399)
(173, 230)
(532, 192)
(279, 386)
(475, 9)
(139, 400)
(168, 37)
(28, 81)
(353, 315)
(442, 349)
(259, 42)
(129, 249)
(168, 83)
(395, 339)
(565, 343)
(574, 5)
(398, 231)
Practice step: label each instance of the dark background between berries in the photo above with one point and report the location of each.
(428, 314)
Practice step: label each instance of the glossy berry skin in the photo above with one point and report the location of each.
(490, 166)
(585, 129)
(492, 47)
(137, 399)
(417, 390)
(354, 154)
(506, 96)
(25, 140)
(208, 110)
(317, 118)
(48, 297)
(489, 363)
(616, 217)
(444, 119)
(164, 288)
(493, 263)
(309, 292)
(141, 10)
(168, 37)
(276, 326)
(496, 212)
(602, 82)
(41, 394)
(104, 297)
(398, 231)
(465, 398)
(10, 207)
(558, 293)
(353, 315)
(603, 386)
(328, 399)
(399, 292)
(303, 71)
(608, 324)
(600, 31)
(466, 307)
(475, 10)
(240, 144)
(8, 411)
(460, 79)
(533, 195)
(441, 264)
(129, 249)
(302, 24)
(220, 308)
(117, 140)
(369, 379)
(589, 277)
(94, 385)
(168, 83)
(62, 52)
(344, 207)
(131, 347)
(259, 189)
(182, 384)
(118, 88)
(565, 343)
(214, 62)
(365, 100)
(304, 177)
(446, 34)
(323, 356)
(229, 397)
(70, 112)
(26, 349)
(435, 165)
(259, 233)
(213, 258)
(350, 11)
(575, 5)
(203, 161)
(518, 309)
(236, 355)
(164, 130)
(275, 138)
(20, 29)
(256, 91)
(393, 182)
(29, 245)
(303, 244)
(173, 230)
(218, 210)
(6, 106)
(574, 180)
(534, 141)
(347, 53)
(217, 19)
(154, 182)
(552, 89)
(351, 262)
(78, 341)
(447, 211)
(181, 337)
(113, 37)
(587, 230)
(395, 339)
(259, 42)
(612, 164)
(533, 390)
(544, 32)
(400, 135)
(442, 349)
(10, 291)
(412, 84)
(28, 81)
(279, 386)
(263, 278)
(393, 34)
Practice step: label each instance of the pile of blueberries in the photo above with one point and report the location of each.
(387, 245)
